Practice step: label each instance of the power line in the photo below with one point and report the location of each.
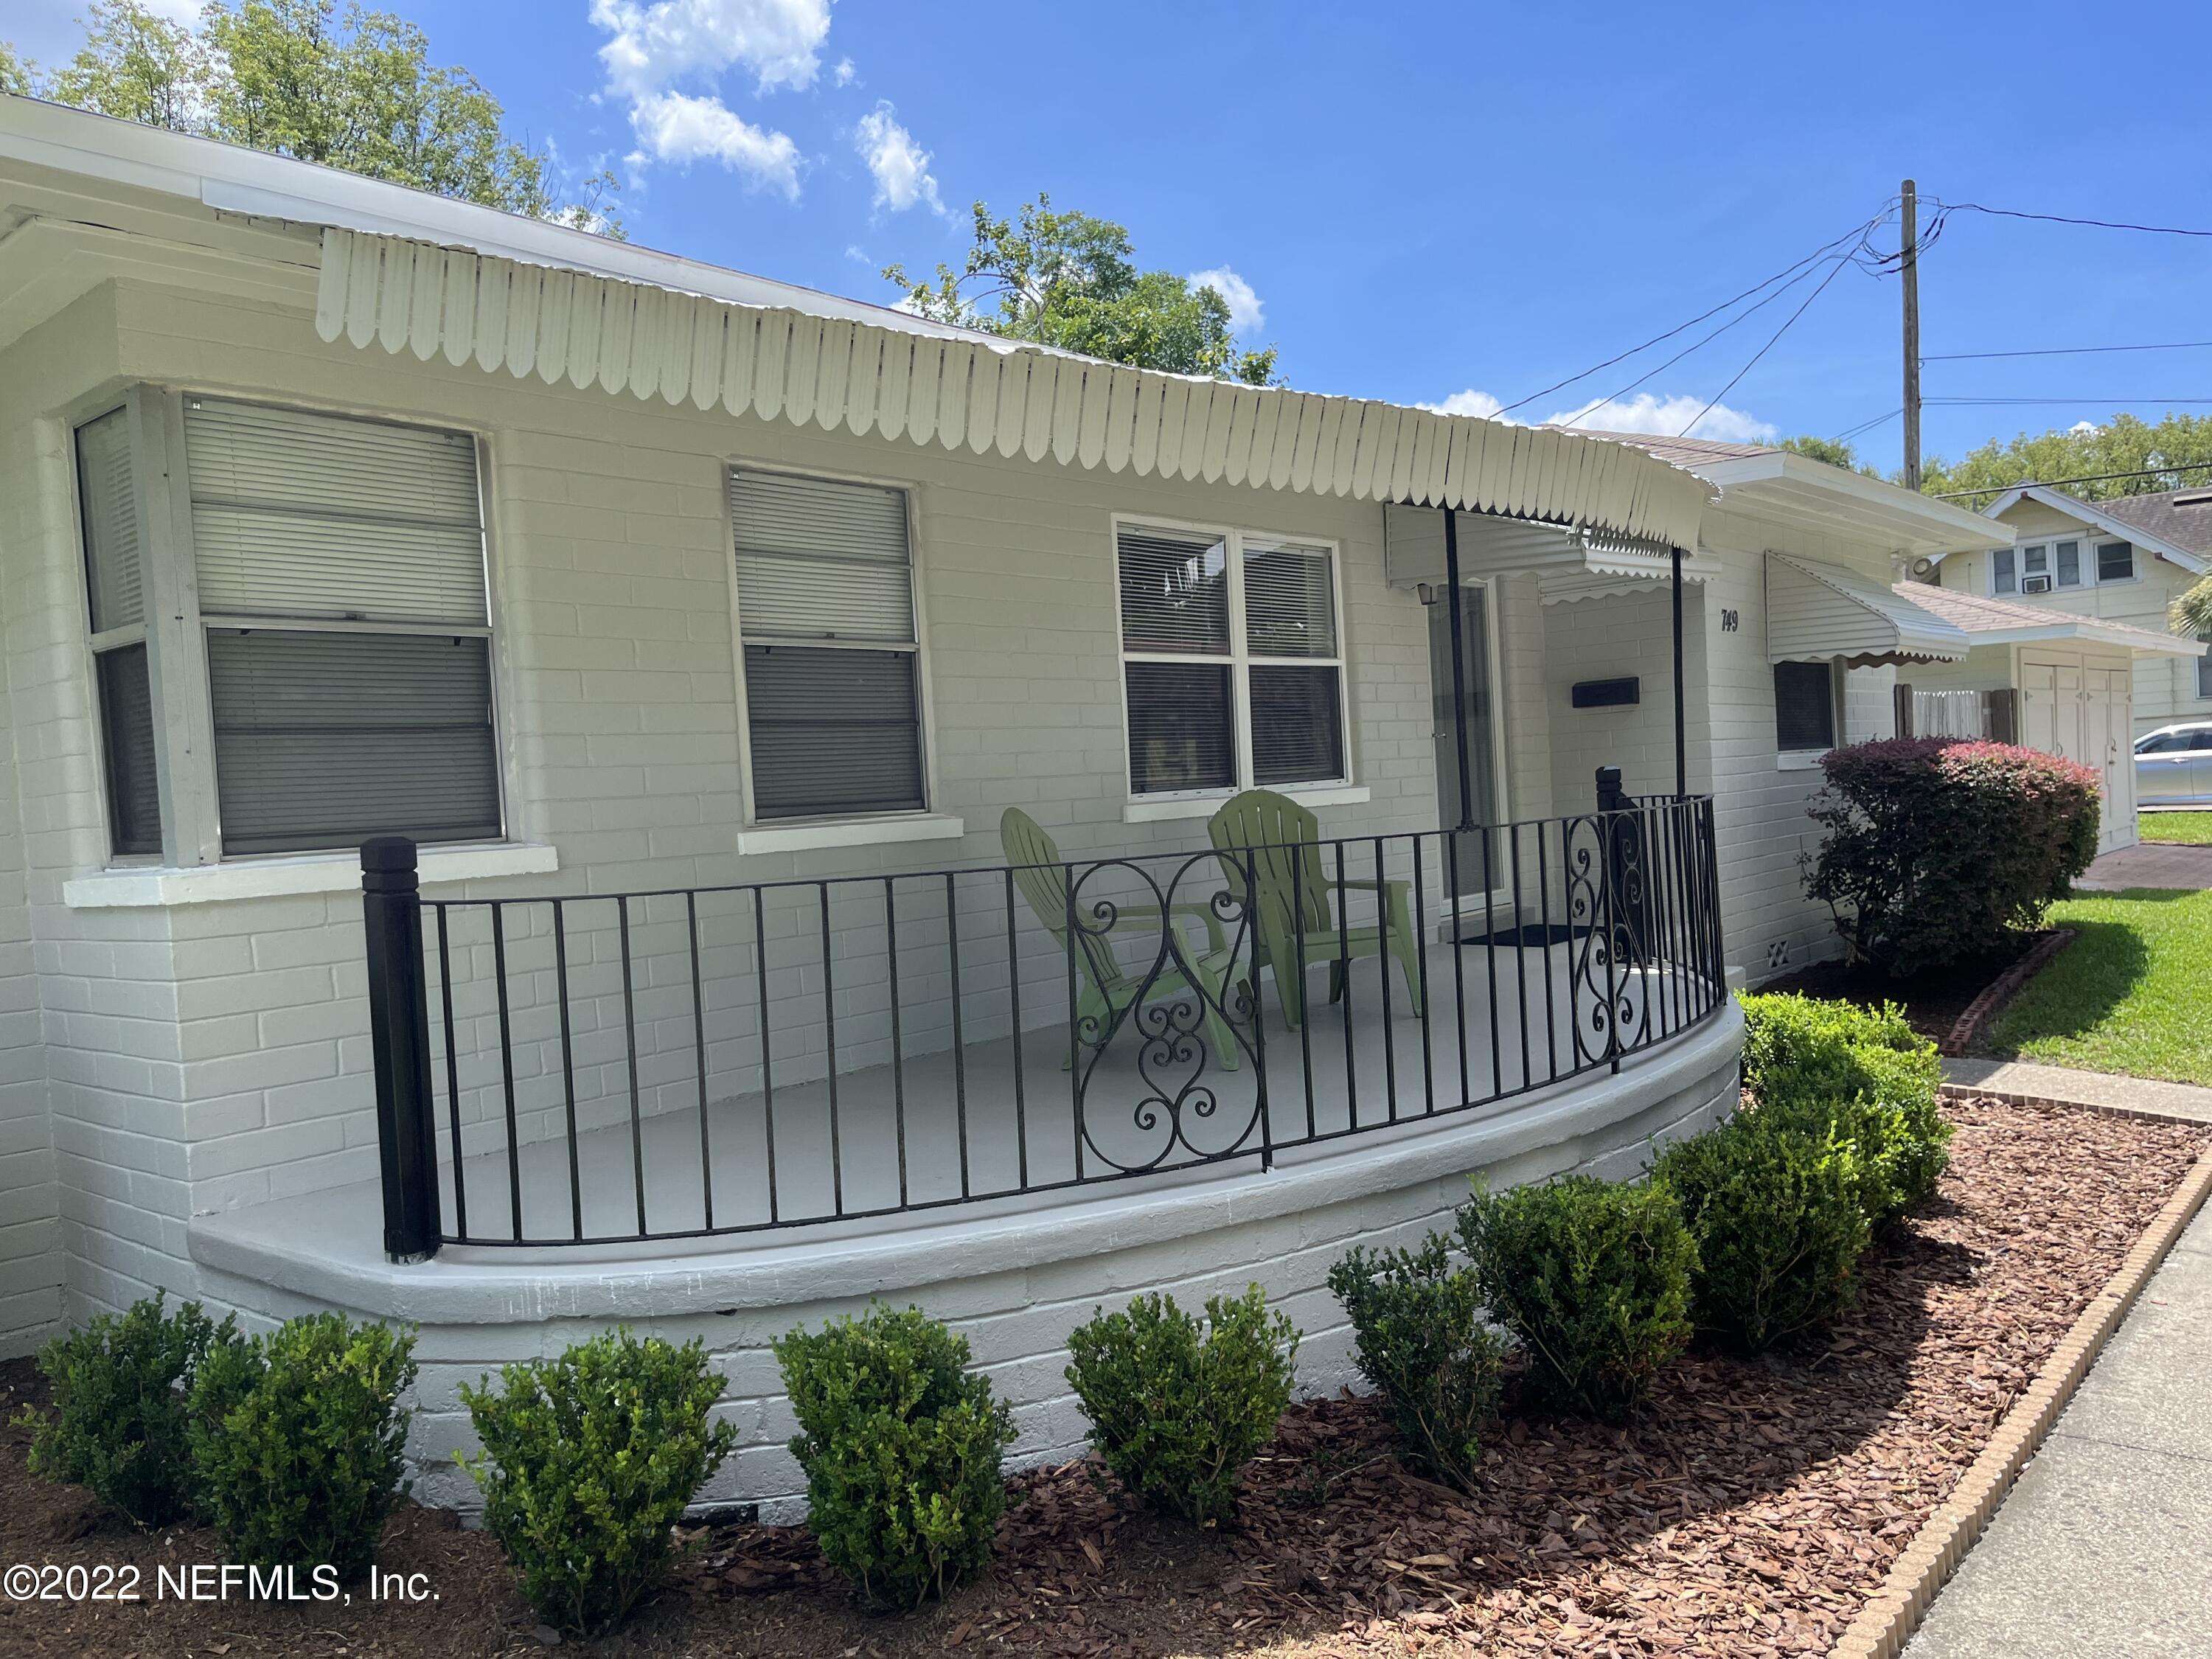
(2042, 403)
(2065, 351)
(2063, 219)
(1865, 427)
(2086, 477)
(1769, 346)
(1794, 272)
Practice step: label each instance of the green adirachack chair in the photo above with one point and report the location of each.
(1282, 840)
(1106, 989)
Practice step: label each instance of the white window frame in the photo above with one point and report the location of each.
(177, 631)
(1239, 660)
(2096, 565)
(2089, 542)
(757, 835)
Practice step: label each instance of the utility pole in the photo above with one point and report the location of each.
(1909, 266)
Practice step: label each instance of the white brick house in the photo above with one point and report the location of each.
(330, 510)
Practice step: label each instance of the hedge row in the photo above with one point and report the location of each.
(290, 1446)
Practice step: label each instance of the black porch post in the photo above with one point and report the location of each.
(399, 1042)
(1459, 667)
(1681, 740)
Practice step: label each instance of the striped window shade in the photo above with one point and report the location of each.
(305, 515)
(371, 713)
(825, 605)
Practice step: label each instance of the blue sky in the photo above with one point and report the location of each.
(1434, 201)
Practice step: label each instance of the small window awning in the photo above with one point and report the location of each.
(1817, 610)
(1572, 560)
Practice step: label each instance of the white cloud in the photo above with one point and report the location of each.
(1645, 413)
(654, 47)
(1667, 417)
(899, 166)
(1469, 402)
(844, 74)
(673, 127)
(2085, 427)
(1245, 311)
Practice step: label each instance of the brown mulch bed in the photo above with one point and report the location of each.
(1752, 1511)
(1932, 1001)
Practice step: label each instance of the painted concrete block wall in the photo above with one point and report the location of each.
(1609, 637)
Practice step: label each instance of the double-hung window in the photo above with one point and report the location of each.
(832, 672)
(1232, 660)
(2069, 557)
(2004, 571)
(2116, 562)
(334, 641)
(341, 567)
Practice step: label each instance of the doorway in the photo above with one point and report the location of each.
(1476, 852)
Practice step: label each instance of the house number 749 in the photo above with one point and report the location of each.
(1728, 621)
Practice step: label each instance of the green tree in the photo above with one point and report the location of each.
(294, 77)
(2192, 613)
(18, 74)
(2124, 444)
(1832, 451)
(1071, 280)
(137, 66)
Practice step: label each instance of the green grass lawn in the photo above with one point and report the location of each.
(2132, 995)
(2192, 827)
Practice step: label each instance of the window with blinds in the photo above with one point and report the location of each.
(1804, 706)
(825, 610)
(1232, 663)
(341, 571)
(108, 506)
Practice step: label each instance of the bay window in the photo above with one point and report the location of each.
(1232, 660)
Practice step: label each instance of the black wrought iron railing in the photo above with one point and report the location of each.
(594, 1069)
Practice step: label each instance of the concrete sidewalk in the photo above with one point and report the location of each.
(2104, 1547)
(2150, 863)
(2018, 1080)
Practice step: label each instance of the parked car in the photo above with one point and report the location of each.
(2173, 767)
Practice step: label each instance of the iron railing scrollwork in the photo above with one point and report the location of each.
(592, 1069)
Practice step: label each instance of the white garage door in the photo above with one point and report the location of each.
(2086, 713)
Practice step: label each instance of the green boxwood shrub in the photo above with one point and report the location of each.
(587, 1461)
(1867, 1074)
(1178, 1406)
(903, 1448)
(1936, 847)
(297, 1438)
(1421, 1338)
(118, 1423)
(1775, 1209)
(1592, 1276)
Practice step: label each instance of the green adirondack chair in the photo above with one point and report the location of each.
(1293, 899)
(1105, 987)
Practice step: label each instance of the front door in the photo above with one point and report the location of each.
(1475, 875)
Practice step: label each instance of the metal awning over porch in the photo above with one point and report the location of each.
(1816, 611)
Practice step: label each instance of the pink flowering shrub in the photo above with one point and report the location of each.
(1937, 848)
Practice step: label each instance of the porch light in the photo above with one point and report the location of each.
(1427, 591)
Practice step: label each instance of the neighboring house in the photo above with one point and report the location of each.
(2122, 561)
(2052, 679)
(701, 628)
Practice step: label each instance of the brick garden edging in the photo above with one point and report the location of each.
(1887, 1622)
(1967, 1029)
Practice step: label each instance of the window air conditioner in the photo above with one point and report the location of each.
(2035, 584)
